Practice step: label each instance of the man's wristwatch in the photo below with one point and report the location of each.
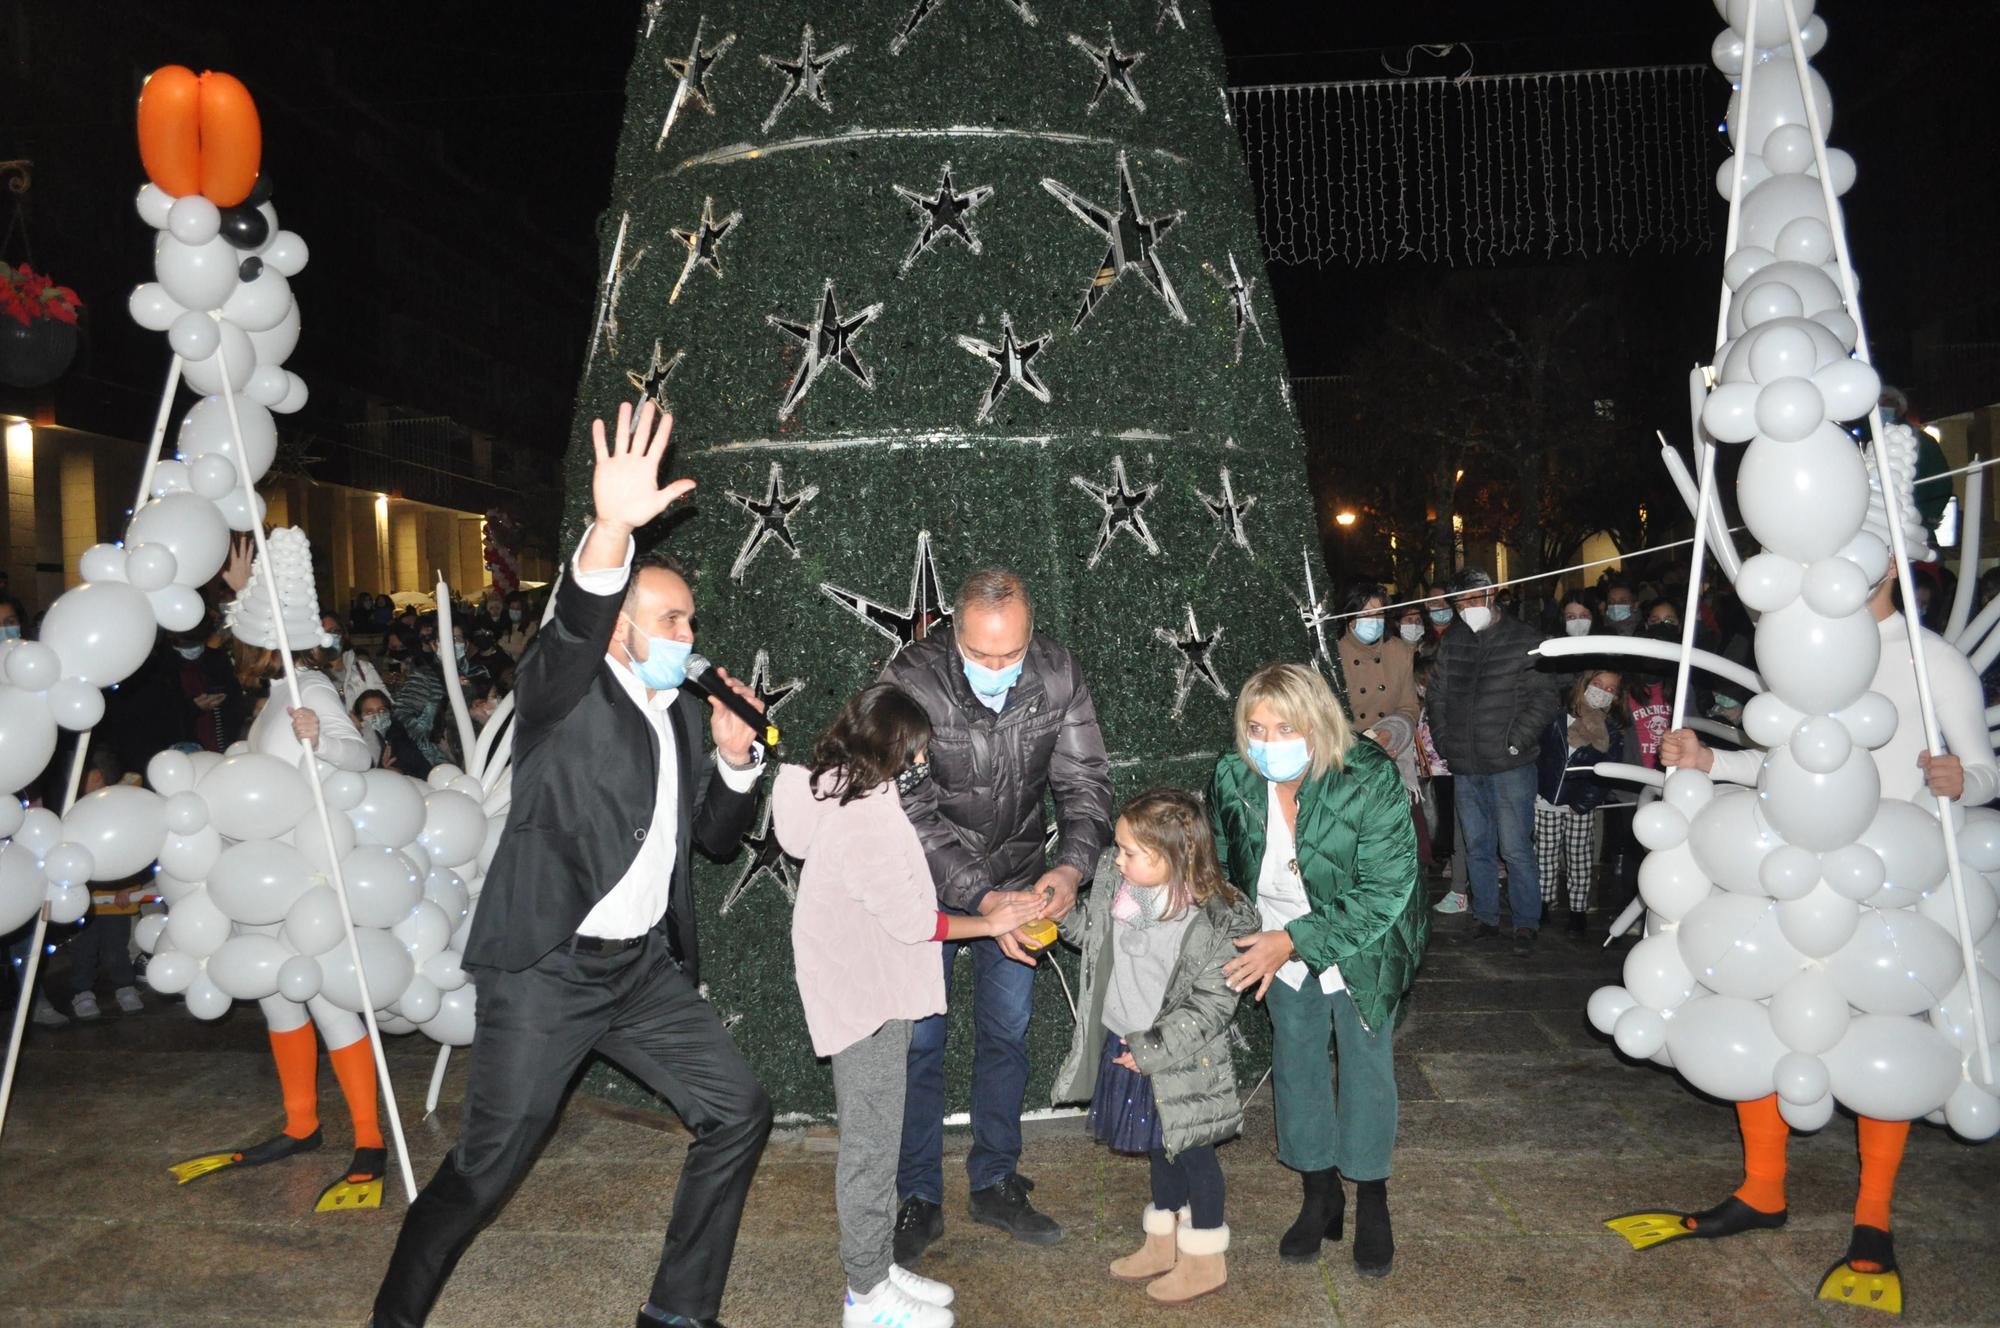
(756, 760)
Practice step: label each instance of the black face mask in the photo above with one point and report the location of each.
(913, 777)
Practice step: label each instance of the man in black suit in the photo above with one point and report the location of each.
(585, 935)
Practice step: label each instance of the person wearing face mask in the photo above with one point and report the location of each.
(1412, 628)
(1569, 793)
(351, 672)
(519, 629)
(1312, 823)
(585, 938)
(1621, 607)
(1012, 723)
(1380, 672)
(1438, 613)
(389, 743)
(10, 620)
(208, 681)
(1488, 707)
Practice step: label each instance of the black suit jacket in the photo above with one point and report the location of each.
(586, 777)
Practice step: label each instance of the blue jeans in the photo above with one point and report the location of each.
(1496, 813)
(1003, 993)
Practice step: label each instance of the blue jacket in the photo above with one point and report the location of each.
(1558, 782)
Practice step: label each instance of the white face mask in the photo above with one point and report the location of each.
(1576, 627)
(1597, 698)
(1411, 632)
(1477, 617)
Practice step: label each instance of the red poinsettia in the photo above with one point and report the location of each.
(28, 297)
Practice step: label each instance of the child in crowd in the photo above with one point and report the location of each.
(1160, 923)
(865, 938)
(1567, 825)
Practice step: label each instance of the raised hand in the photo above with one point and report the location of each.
(625, 485)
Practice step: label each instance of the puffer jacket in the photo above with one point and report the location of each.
(1186, 1051)
(979, 815)
(1487, 702)
(1357, 852)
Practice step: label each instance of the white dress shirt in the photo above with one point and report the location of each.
(636, 904)
(1281, 893)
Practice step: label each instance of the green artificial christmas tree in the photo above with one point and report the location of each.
(932, 285)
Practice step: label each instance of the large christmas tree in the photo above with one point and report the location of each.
(931, 285)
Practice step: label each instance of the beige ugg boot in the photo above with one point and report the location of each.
(1156, 1256)
(1199, 1269)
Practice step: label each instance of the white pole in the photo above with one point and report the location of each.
(152, 457)
(448, 666)
(309, 764)
(437, 1082)
(1891, 505)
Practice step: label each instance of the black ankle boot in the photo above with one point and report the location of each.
(1374, 1242)
(1322, 1216)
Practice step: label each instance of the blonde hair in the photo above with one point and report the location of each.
(1173, 823)
(1303, 700)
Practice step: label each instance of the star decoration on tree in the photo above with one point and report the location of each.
(1123, 509)
(805, 76)
(828, 341)
(1313, 611)
(771, 519)
(948, 212)
(653, 382)
(1134, 239)
(1229, 511)
(923, 9)
(1197, 661)
(1169, 9)
(771, 695)
(654, 8)
(1011, 362)
(765, 858)
(691, 71)
(924, 612)
(1241, 311)
(703, 243)
(1114, 69)
(604, 327)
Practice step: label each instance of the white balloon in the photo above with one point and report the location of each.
(190, 856)
(1734, 945)
(1729, 842)
(1772, 29)
(276, 345)
(1807, 1118)
(1768, 581)
(1979, 839)
(1972, 1113)
(99, 562)
(152, 308)
(155, 206)
(195, 926)
(102, 631)
(195, 276)
(258, 881)
(309, 838)
(382, 885)
(470, 786)
(189, 527)
(1871, 719)
(1834, 587)
(343, 789)
(1788, 409)
(231, 364)
(247, 966)
(1808, 1013)
(1724, 1046)
(212, 476)
(204, 999)
(27, 737)
(447, 889)
(1671, 882)
(1893, 1068)
(260, 305)
(1659, 826)
(205, 432)
(1804, 499)
(40, 830)
(454, 828)
(239, 514)
(170, 972)
(1730, 413)
(1687, 791)
(1655, 974)
(446, 972)
(287, 253)
(172, 889)
(193, 219)
(146, 931)
(312, 926)
(1952, 1015)
(68, 864)
(299, 978)
(169, 476)
(1911, 846)
(170, 772)
(1776, 203)
(1897, 962)
(385, 963)
(1801, 1079)
(68, 903)
(1767, 720)
(12, 810)
(392, 812)
(150, 566)
(122, 825)
(1820, 923)
(418, 855)
(1817, 664)
(424, 931)
(1789, 872)
(267, 386)
(1981, 904)
(75, 705)
(194, 336)
(453, 1024)
(184, 813)
(1814, 811)
(420, 999)
(1640, 1032)
(253, 796)
(295, 396)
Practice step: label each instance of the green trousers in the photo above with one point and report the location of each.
(1359, 1134)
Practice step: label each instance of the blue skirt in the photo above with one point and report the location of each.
(1122, 1113)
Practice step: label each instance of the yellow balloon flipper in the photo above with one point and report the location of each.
(197, 1167)
(1876, 1291)
(344, 1194)
(1645, 1230)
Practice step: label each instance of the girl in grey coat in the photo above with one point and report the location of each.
(1160, 924)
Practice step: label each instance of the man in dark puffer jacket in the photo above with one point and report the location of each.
(1488, 707)
(1011, 722)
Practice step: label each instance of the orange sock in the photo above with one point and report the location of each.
(1882, 1144)
(354, 1066)
(1764, 1137)
(297, 1055)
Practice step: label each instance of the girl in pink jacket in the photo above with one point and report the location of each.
(866, 933)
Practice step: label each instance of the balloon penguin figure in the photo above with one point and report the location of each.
(1816, 941)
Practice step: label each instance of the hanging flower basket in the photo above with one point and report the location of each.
(37, 327)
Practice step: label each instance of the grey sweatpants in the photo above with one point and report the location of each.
(868, 1081)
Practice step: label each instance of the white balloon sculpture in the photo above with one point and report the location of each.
(1805, 938)
(243, 861)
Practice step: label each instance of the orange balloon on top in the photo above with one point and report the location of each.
(200, 135)
(170, 129)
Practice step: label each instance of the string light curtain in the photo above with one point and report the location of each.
(1477, 170)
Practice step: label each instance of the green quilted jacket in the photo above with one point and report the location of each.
(1357, 851)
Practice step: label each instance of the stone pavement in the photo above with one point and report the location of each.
(1520, 1133)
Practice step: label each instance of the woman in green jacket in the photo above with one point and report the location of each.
(1314, 826)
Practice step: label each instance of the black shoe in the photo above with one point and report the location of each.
(1524, 941)
(651, 1320)
(1006, 1206)
(1322, 1216)
(1579, 923)
(1484, 931)
(919, 1223)
(1374, 1241)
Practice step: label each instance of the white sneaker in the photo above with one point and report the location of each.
(47, 1015)
(921, 1288)
(129, 1002)
(1453, 902)
(84, 1005)
(889, 1306)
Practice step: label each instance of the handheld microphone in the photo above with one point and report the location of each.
(697, 678)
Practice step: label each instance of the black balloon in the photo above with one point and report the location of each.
(260, 192)
(244, 226)
(251, 269)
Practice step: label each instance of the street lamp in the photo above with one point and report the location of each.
(1345, 518)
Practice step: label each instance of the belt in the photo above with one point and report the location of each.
(600, 945)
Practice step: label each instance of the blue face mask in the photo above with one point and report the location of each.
(665, 665)
(1368, 630)
(992, 685)
(1442, 617)
(1280, 762)
(1617, 612)
(11, 632)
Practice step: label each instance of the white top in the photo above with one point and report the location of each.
(636, 904)
(1281, 893)
(357, 675)
(1961, 710)
(340, 743)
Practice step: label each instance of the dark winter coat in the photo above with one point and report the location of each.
(1186, 1052)
(1357, 852)
(1559, 782)
(979, 815)
(1487, 703)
